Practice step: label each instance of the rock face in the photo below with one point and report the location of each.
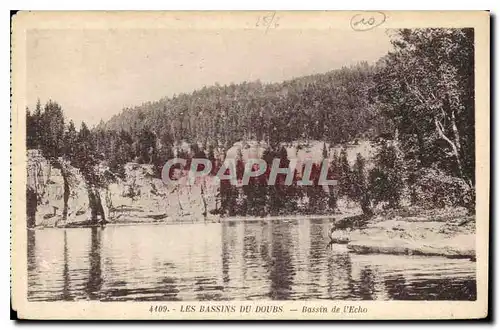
(249, 150)
(57, 195)
(143, 197)
(49, 185)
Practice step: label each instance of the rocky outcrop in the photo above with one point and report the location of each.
(58, 195)
(56, 192)
(140, 196)
(248, 149)
(446, 233)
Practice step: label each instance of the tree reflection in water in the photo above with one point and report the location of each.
(258, 260)
(281, 267)
(66, 290)
(367, 284)
(94, 283)
(430, 289)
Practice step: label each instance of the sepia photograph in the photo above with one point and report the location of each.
(204, 162)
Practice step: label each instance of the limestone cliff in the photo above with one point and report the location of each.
(58, 195)
(56, 191)
(141, 196)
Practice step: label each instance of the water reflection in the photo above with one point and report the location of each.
(281, 270)
(94, 283)
(278, 260)
(367, 284)
(66, 292)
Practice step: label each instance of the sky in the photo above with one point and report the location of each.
(94, 74)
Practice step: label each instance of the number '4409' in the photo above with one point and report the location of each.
(158, 309)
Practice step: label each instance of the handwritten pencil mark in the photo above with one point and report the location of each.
(367, 21)
(268, 21)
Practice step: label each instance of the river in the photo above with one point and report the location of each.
(278, 260)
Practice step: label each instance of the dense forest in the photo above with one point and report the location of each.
(417, 102)
(335, 107)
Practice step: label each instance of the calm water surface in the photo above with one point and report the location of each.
(229, 261)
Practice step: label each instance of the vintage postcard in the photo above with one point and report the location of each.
(250, 165)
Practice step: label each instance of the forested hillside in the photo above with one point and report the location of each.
(335, 107)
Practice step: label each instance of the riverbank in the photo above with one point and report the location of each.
(448, 232)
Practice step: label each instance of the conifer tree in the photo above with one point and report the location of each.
(344, 174)
(386, 184)
(333, 174)
(70, 141)
(360, 191)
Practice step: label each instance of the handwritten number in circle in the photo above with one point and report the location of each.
(367, 21)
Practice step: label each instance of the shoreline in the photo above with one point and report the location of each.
(186, 219)
(148, 221)
(448, 233)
